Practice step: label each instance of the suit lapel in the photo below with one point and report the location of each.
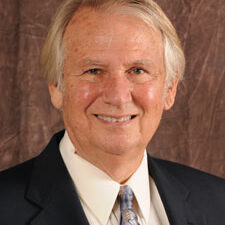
(175, 196)
(52, 190)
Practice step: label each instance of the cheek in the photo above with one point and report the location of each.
(150, 97)
(79, 96)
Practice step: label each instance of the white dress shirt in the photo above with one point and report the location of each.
(98, 192)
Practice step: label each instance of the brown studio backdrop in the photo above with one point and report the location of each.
(192, 133)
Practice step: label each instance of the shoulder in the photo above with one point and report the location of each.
(13, 187)
(16, 175)
(14, 182)
(204, 193)
(187, 174)
(19, 175)
(204, 186)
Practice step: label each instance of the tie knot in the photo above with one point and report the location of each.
(128, 214)
(126, 196)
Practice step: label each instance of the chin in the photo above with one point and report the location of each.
(120, 147)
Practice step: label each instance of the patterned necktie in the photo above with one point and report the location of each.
(128, 215)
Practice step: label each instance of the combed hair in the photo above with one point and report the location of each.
(53, 51)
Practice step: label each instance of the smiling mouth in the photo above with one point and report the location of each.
(115, 120)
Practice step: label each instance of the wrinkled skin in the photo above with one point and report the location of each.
(114, 69)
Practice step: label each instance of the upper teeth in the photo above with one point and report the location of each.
(111, 119)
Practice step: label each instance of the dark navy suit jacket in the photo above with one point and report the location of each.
(40, 192)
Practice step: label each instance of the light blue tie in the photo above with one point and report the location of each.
(128, 215)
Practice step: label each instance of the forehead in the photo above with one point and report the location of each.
(100, 28)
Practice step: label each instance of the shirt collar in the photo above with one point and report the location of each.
(97, 189)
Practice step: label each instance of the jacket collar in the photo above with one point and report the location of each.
(176, 197)
(51, 189)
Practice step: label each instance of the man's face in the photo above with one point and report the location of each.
(114, 80)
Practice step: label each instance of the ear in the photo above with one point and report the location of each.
(170, 95)
(56, 96)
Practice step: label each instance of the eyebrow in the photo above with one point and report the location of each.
(98, 63)
(91, 62)
(142, 62)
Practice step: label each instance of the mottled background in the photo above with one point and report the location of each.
(192, 133)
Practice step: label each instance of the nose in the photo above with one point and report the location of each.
(117, 91)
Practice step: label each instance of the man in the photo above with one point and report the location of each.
(112, 68)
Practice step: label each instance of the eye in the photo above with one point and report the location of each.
(94, 71)
(137, 71)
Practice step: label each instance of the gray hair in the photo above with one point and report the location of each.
(53, 52)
